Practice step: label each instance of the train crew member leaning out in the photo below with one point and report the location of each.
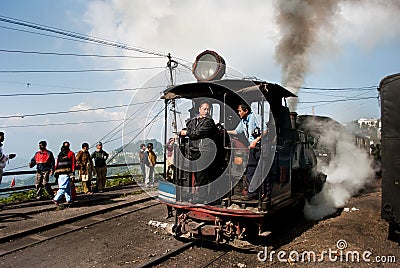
(248, 125)
(200, 127)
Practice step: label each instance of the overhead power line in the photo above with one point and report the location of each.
(119, 127)
(335, 101)
(73, 111)
(81, 71)
(48, 35)
(76, 92)
(63, 124)
(79, 36)
(78, 55)
(341, 89)
(340, 100)
(141, 130)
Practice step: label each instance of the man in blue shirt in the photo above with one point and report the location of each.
(249, 126)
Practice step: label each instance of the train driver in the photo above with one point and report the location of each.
(200, 127)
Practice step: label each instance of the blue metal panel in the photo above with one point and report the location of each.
(167, 191)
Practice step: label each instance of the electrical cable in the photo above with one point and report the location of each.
(62, 124)
(73, 111)
(78, 36)
(76, 92)
(142, 129)
(126, 119)
(81, 71)
(344, 88)
(78, 55)
(331, 101)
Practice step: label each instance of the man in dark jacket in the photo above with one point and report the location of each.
(198, 129)
(44, 162)
(100, 166)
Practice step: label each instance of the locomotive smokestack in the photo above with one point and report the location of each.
(293, 119)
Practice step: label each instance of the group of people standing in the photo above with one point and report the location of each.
(63, 168)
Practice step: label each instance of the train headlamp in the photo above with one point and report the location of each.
(208, 66)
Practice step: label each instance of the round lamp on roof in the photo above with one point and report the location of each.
(209, 66)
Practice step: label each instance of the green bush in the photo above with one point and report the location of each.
(19, 197)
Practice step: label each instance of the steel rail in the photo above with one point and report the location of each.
(55, 224)
(169, 255)
(31, 234)
(47, 205)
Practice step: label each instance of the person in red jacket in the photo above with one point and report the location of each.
(44, 162)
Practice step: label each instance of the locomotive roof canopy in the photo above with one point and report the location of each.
(229, 90)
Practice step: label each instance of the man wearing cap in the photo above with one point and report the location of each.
(100, 166)
(44, 162)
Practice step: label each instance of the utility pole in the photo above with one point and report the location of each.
(171, 65)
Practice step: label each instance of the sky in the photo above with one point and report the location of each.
(344, 45)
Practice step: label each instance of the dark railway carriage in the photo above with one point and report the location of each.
(287, 160)
(390, 109)
(324, 132)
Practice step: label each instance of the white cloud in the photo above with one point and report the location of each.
(244, 34)
(98, 113)
(368, 23)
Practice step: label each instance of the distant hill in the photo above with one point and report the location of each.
(131, 151)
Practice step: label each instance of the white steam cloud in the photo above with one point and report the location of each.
(348, 172)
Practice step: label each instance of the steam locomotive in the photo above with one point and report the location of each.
(326, 133)
(288, 161)
(390, 92)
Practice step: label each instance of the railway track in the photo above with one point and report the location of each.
(125, 227)
(40, 234)
(30, 208)
(163, 260)
(46, 232)
(169, 255)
